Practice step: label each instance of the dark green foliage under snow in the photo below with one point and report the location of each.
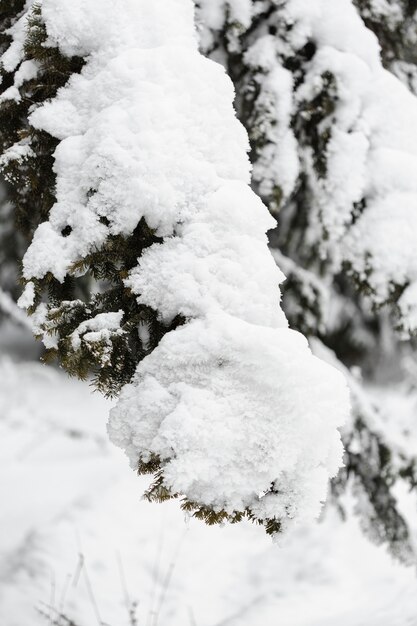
(29, 180)
(11, 245)
(280, 99)
(394, 24)
(95, 284)
(114, 360)
(113, 181)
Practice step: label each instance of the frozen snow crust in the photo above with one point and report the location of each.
(365, 203)
(237, 411)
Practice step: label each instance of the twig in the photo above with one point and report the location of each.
(91, 595)
(130, 606)
(152, 610)
(52, 601)
(64, 593)
(168, 578)
(82, 569)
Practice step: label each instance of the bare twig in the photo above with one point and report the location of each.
(131, 607)
(168, 578)
(82, 569)
(158, 554)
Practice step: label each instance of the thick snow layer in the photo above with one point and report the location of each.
(278, 161)
(12, 57)
(366, 203)
(233, 403)
(77, 538)
(227, 426)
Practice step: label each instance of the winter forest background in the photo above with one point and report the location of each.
(208, 215)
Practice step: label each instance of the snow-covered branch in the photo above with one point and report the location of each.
(230, 409)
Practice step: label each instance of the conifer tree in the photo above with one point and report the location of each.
(336, 169)
(30, 74)
(303, 73)
(394, 24)
(139, 179)
(9, 238)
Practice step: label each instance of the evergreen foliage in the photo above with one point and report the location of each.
(27, 160)
(130, 306)
(290, 112)
(394, 24)
(10, 243)
(112, 360)
(290, 156)
(31, 179)
(290, 126)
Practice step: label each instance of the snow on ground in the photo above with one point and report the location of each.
(76, 537)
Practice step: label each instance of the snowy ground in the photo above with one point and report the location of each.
(76, 537)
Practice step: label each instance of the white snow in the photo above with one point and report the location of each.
(227, 426)
(240, 12)
(372, 152)
(233, 400)
(77, 538)
(13, 56)
(27, 71)
(9, 307)
(233, 403)
(278, 161)
(97, 328)
(27, 298)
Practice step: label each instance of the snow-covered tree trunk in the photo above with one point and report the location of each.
(225, 405)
